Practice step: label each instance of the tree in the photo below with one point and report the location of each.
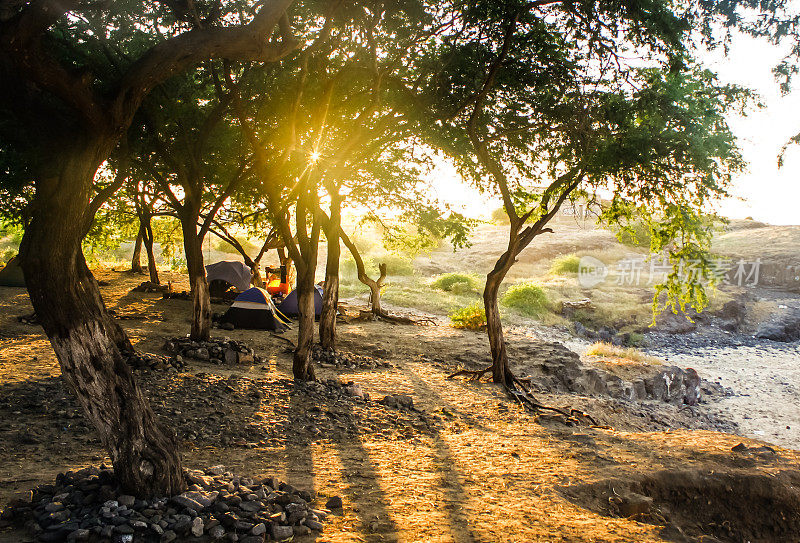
(72, 76)
(194, 156)
(542, 107)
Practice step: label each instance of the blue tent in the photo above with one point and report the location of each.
(289, 304)
(254, 309)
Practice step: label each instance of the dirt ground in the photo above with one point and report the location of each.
(467, 465)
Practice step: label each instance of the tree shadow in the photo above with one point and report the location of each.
(455, 496)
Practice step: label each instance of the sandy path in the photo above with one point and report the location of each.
(766, 383)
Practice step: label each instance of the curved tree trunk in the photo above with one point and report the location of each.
(201, 297)
(86, 340)
(330, 294)
(136, 259)
(151, 257)
(494, 326)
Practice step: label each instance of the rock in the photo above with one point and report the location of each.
(734, 311)
(253, 539)
(52, 507)
(231, 356)
(187, 503)
(81, 534)
(632, 504)
(197, 527)
(741, 447)
(692, 385)
(785, 329)
(217, 532)
(398, 401)
(168, 536)
(282, 533)
(126, 500)
(259, 529)
(313, 524)
(334, 502)
(227, 326)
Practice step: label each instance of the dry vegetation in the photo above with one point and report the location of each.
(486, 471)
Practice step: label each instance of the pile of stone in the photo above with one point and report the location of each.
(213, 351)
(148, 361)
(346, 360)
(87, 505)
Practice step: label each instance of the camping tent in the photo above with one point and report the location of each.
(254, 309)
(289, 304)
(11, 275)
(234, 272)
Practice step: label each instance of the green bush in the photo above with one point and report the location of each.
(472, 317)
(635, 234)
(565, 264)
(458, 283)
(499, 216)
(528, 298)
(396, 264)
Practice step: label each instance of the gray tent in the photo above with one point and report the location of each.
(232, 271)
(11, 275)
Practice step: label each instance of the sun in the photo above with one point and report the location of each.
(314, 156)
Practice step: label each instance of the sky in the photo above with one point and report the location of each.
(763, 191)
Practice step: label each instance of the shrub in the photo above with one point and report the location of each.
(499, 216)
(458, 283)
(565, 264)
(396, 265)
(635, 234)
(472, 317)
(527, 298)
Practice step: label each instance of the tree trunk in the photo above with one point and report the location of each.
(302, 367)
(151, 257)
(330, 294)
(136, 259)
(494, 327)
(201, 298)
(375, 289)
(86, 340)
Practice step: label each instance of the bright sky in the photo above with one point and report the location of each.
(766, 193)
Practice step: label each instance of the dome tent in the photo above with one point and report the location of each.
(289, 304)
(234, 272)
(254, 309)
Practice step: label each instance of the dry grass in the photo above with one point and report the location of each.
(457, 484)
(614, 354)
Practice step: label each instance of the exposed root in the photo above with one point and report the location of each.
(286, 339)
(520, 391)
(471, 375)
(368, 315)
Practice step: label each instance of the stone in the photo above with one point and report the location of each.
(632, 504)
(124, 529)
(334, 502)
(313, 524)
(187, 503)
(168, 536)
(692, 396)
(227, 326)
(81, 534)
(53, 507)
(231, 356)
(217, 532)
(253, 539)
(282, 533)
(127, 500)
(138, 524)
(259, 529)
(197, 527)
